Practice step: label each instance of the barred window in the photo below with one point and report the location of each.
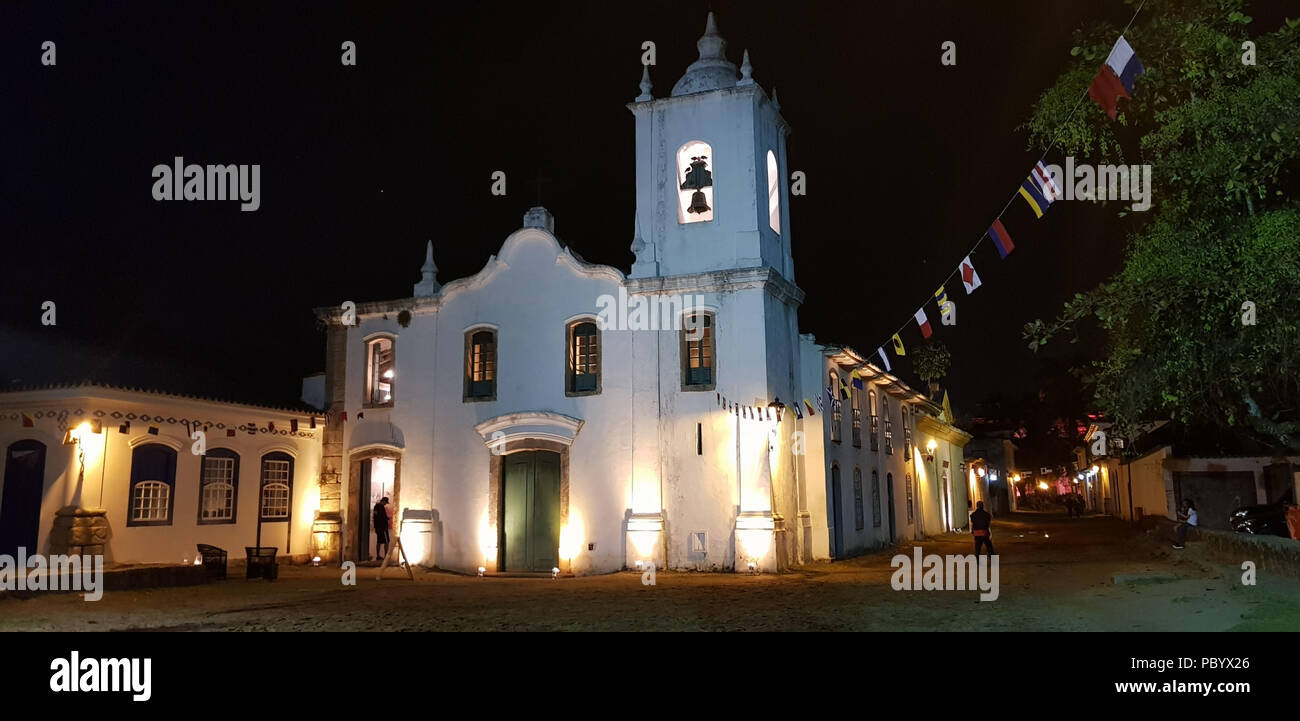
(218, 479)
(907, 439)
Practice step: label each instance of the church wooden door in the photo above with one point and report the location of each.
(530, 527)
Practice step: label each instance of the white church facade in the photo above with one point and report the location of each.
(549, 413)
(531, 429)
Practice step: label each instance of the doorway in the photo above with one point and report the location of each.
(20, 506)
(378, 480)
(530, 512)
(375, 473)
(837, 514)
(893, 524)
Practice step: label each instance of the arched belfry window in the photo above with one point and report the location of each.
(773, 193)
(695, 182)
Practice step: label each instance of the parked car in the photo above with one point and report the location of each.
(1264, 520)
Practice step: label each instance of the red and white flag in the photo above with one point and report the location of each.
(924, 322)
(969, 278)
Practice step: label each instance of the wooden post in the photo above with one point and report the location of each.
(396, 546)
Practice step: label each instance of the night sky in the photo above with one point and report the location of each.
(907, 162)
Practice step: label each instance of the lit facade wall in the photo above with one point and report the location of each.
(106, 480)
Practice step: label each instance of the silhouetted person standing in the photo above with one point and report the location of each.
(980, 521)
(379, 519)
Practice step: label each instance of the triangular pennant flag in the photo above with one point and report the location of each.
(969, 278)
(821, 404)
(798, 414)
(28, 422)
(898, 348)
(884, 358)
(808, 404)
(923, 323)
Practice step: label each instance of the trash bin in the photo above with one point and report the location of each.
(261, 562)
(214, 561)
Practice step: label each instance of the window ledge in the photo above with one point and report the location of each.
(580, 394)
(376, 406)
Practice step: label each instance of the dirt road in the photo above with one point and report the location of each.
(1056, 574)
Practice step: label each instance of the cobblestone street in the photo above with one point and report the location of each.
(1056, 574)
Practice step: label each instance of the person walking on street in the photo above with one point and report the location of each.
(980, 521)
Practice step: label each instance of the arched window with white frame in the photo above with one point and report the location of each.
(153, 482)
(218, 486)
(276, 487)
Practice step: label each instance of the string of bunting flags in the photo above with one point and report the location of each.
(98, 417)
(1114, 80)
(800, 408)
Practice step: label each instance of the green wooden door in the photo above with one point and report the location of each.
(530, 525)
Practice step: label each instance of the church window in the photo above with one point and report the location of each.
(481, 365)
(698, 361)
(907, 439)
(584, 358)
(379, 371)
(218, 483)
(277, 486)
(773, 193)
(695, 182)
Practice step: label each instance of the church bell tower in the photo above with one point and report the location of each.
(711, 173)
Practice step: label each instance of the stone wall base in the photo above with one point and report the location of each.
(80, 531)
